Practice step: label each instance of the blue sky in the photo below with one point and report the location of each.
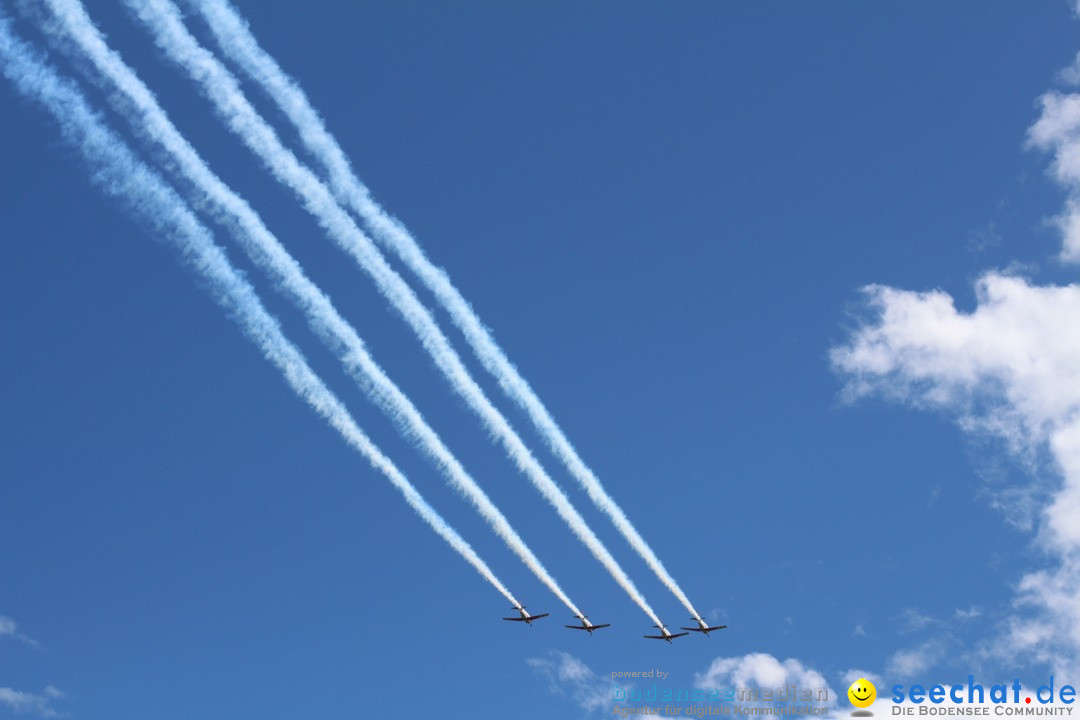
(665, 214)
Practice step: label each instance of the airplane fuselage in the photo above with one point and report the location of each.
(703, 627)
(525, 616)
(586, 625)
(665, 634)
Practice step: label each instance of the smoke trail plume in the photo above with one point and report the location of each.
(162, 18)
(118, 173)
(239, 44)
(139, 107)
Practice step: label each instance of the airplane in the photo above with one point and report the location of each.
(586, 625)
(666, 634)
(525, 617)
(704, 629)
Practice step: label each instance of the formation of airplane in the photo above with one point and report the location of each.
(666, 634)
(704, 629)
(525, 616)
(586, 625)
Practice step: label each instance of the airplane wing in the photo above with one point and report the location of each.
(576, 627)
(515, 619)
(708, 629)
(675, 635)
(537, 617)
(657, 637)
(597, 627)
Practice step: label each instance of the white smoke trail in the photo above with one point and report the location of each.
(139, 107)
(162, 18)
(235, 39)
(117, 171)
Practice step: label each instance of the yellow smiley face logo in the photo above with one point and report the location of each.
(862, 693)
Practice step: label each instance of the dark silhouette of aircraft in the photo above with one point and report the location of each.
(704, 629)
(666, 635)
(525, 617)
(586, 625)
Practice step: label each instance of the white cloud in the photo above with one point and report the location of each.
(758, 670)
(8, 628)
(971, 613)
(30, 704)
(1058, 130)
(914, 621)
(571, 678)
(1047, 626)
(984, 238)
(1071, 74)
(915, 661)
(18, 701)
(1011, 369)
